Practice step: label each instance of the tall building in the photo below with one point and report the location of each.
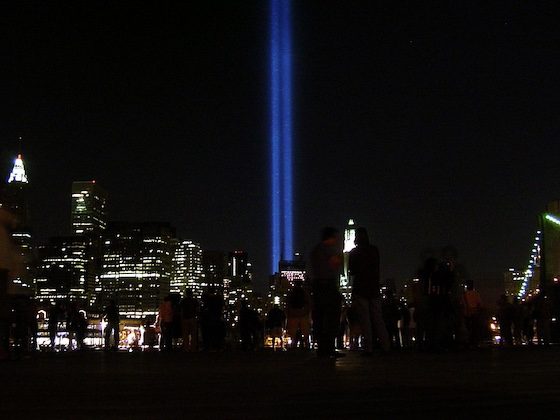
(349, 245)
(89, 208)
(63, 271)
(238, 264)
(238, 284)
(14, 199)
(136, 266)
(280, 284)
(513, 279)
(89, 220)
(214, 267)
(187, 268)
(292, 271)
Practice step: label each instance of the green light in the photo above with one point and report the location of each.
(553, 219)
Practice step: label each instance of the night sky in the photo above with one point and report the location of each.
(429, 126)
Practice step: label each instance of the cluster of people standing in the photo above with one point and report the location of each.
(520, 322)
(443, 312)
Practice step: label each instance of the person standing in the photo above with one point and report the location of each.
(363, 266)
(54, 317)
(111, 315)
(473, 310)
(275, 321)
(298, 310)
(165, 320)
(326, 262)
(504, 320)
(213, 325)
(249, 326)
(189, 321)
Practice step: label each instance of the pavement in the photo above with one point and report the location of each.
(484, 383)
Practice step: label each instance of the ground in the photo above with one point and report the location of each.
(498, 383)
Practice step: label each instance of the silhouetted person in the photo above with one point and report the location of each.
(405, 319)
(176, 324)
(354, 326)
(32, 324)
(55, 312)
(342, 328)
(473, 310)
(165, 320)
(81, 329)
(72, 320)
(528, 322)
(275, 320)
(298, 313)
(543, 317)
(150, 334)
(423, 306)
(363, 266)
(213, 326)
(249, 325)
(505, 321)
(326, 262)
(441, 307)
(189, 316)
(517, 321)
(391, 316)
(456, 335)
(20, 322)
(111, 315)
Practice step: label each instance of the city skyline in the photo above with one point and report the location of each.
(405, 122)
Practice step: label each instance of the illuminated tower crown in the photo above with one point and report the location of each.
(18, 172)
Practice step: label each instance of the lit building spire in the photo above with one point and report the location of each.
(18, 173)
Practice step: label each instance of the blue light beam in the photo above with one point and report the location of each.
(287, 131)
(275, 133)
(281, 132)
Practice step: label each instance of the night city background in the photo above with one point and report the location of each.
(428, 125)
(149, 262)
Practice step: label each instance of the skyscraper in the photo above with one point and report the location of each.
(62, 273)
(15, 193)
(89, 221)
(136, 266)
(15, 200)
(238, 284)
(89, 208)
(214, 266)
(349, 245)
(187, 268)
(237, 264)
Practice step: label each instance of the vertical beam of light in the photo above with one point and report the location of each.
(275, 137)
(281, 132)
(286, 58)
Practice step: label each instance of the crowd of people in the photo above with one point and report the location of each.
(442, 312)
(521, 322)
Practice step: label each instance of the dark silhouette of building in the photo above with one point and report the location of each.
(214, 267)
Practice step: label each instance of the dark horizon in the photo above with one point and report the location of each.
(429, 126)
